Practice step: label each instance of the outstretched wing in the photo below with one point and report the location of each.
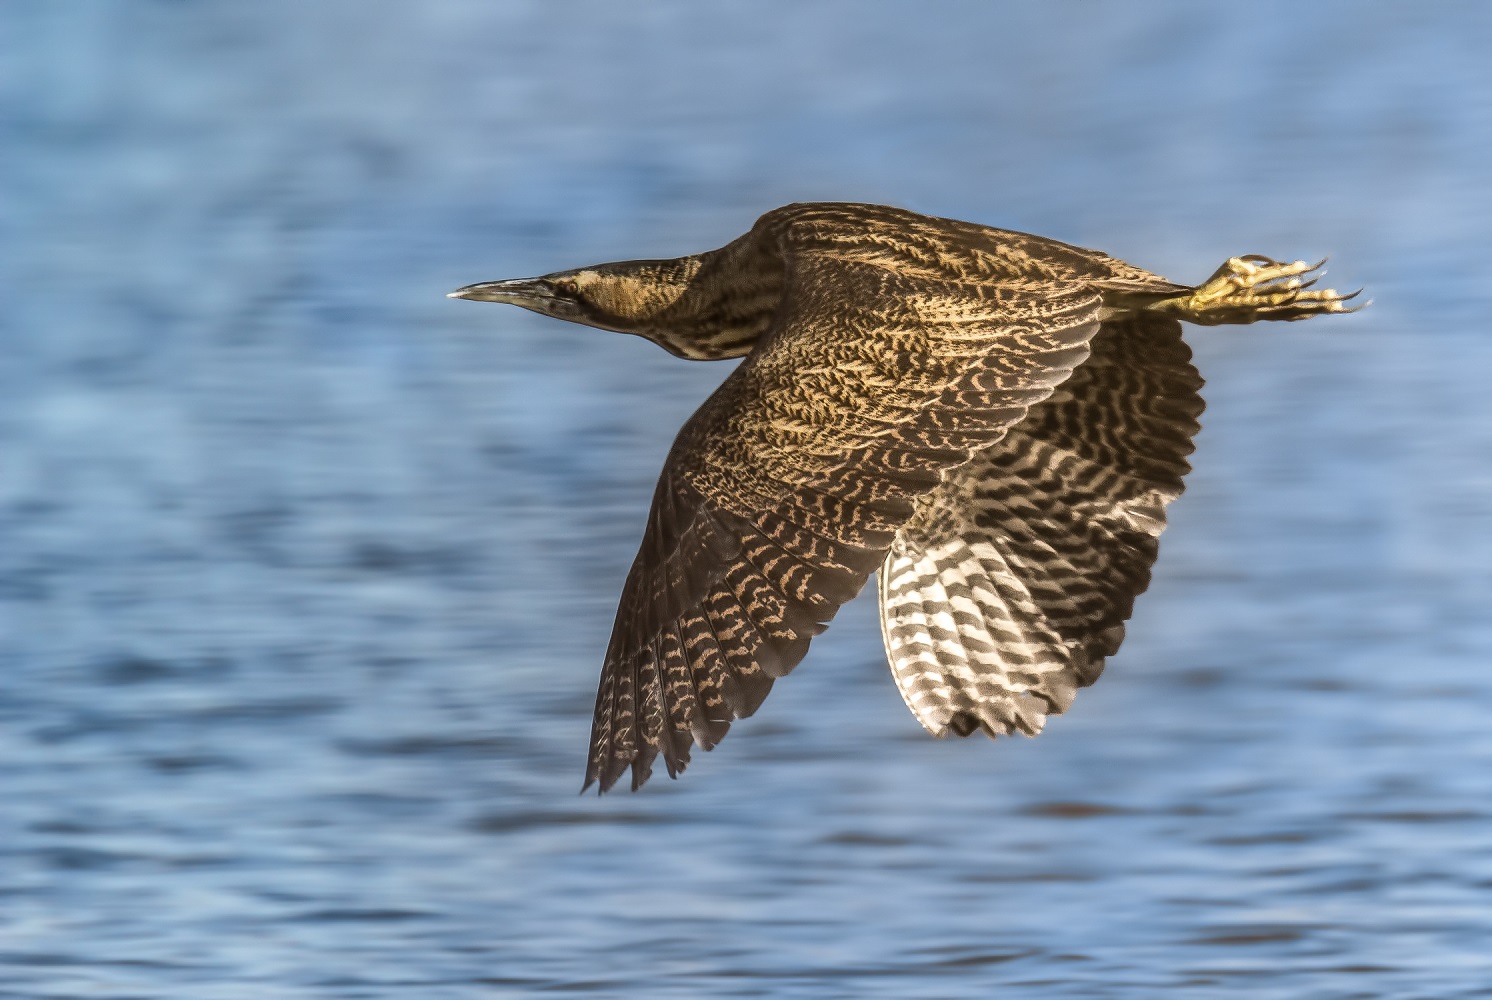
(883, 370)
(1005, 592)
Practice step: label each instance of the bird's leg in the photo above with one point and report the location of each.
(1252, 288)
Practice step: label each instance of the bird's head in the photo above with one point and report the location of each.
(627, 297)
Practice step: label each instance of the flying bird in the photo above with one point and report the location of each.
(993, 420)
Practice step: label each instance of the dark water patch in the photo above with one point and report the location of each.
(1073, 810)
(146, 963)
(89, 722)
(390, 803)
(1324, 684)
(66, 828)
(474, 746)
(80, 858)
(267, 710)
(198, 861)
(856, 838)
(35, 507)
(1250, 935)
(1272, 837)
(962, 958)
(976, 961)
(1416, 817)
(382, 557)
(604, 987)
(25, 587)
(40, 958)
(1243, 790)
(1017, 878)
(259, 531)
(190, 763)
(282, 896)
(359, 915)
(1340, 887)
(135, 670)
(1203, 678)
(511, 822)
(906, 970)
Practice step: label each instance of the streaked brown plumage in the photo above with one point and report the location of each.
(995, 420)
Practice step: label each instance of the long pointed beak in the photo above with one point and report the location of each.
(516, 291)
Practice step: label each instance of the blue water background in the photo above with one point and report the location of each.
(305, 570)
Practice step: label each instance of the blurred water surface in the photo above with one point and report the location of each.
(305, 571)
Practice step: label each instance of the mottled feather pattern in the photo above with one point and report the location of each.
(1005, 592)
(995, 420)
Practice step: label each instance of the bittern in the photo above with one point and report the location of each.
(996, 421)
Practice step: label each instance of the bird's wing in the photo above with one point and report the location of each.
(1005, 592)
(783, 492)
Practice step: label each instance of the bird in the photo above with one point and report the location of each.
(992, 422)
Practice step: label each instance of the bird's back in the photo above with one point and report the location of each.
(934, 248)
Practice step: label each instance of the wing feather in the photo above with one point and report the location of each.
(1005, 592)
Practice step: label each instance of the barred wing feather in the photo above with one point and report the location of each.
(1011, 584)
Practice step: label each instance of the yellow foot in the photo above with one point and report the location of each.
(1252, 288)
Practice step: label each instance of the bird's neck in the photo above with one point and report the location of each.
(705, 307)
